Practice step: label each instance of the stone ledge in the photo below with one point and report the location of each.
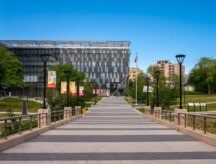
(16, 139)
(196, 134)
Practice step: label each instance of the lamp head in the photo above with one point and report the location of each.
(157, 73)
(180, 58)
(44, 57)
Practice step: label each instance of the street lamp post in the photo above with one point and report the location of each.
(44, 58)
(67, 73)
(157, 74)
(94, 83)
(78, 83)
(95, 92)
(184, 93)
(147, 80)
(180, 59)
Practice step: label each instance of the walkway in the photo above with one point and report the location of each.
(111, 133)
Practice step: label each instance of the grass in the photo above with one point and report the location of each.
(130, 100)
(141, 110)
(201, 99)
(4, 115)
(15, 105)
(194, 98)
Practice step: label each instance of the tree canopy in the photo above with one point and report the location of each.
(63, 70)
(141, 97)
(10, 70)
(203, 76)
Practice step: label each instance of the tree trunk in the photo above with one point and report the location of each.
(209, 89)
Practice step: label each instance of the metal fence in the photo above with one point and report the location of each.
(18, 124)
(195, 121)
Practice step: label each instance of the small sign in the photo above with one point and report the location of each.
(73, 88)
(202, 104)
(145, 89)
(63, 87)
(98, 91)
(51, 79)
(81, 91)
(190, 104)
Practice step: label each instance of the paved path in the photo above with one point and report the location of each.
(111, 133)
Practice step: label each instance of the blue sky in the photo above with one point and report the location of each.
(157, 29)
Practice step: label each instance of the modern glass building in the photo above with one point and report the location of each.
(107, 62)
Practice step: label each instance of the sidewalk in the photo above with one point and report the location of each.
(111, 133)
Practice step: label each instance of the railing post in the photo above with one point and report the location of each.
(20, 125)
(194, 122)
(46, 114)
(170, 116)
(66, 113)
(39, 122)
(185, 120)
(5, 129)
(59, 116)
(204, 124)
(178, 118)
(30, 123)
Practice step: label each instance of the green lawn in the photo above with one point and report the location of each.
(201, 99)
(15, 105)
(130, 100)
(141, 110)
(4, 115)
(196, 98)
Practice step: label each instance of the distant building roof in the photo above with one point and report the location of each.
(63, 44)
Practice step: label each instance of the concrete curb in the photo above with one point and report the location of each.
(196, 134)
(16, 139)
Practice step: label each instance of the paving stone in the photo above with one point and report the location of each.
(111, 133)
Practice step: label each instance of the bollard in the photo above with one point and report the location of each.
(67, 111)
(77, 110)
(24, 107)
(44, 114)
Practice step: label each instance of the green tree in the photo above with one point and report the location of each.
(168, 93)
(203, 76)
(74, 75)
(141, 81)
(62, 73)
(10, 70)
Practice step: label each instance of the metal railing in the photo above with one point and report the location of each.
(201, 122)
(18, 124)
(195, 121)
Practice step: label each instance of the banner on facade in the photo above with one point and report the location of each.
(51, 79)
(63, 87)
(150, 90)
(98, 91)
(81, 91)
(73, 88)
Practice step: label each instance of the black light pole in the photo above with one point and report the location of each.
(94, 83)
(157, 74)
(27, 90)
(67, 73)
(78, 81)
(147, 80)
(44, 58)
(180, 59)
(95, 91)
(184, 93)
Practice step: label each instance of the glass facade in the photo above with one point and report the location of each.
(107, 62)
